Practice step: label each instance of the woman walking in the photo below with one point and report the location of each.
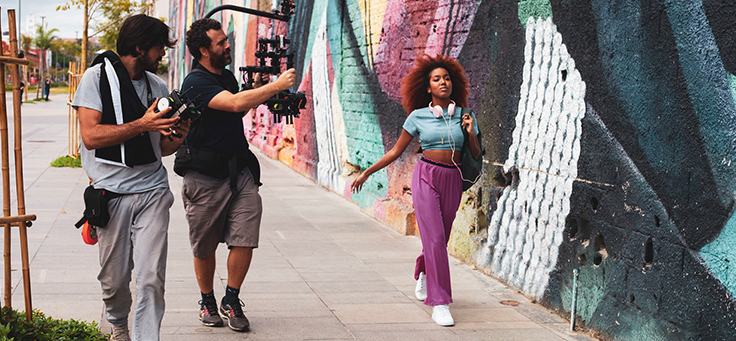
(434, 92)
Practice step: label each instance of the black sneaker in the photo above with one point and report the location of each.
(233, 312)
(208, 313)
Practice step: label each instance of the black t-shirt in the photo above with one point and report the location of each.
(218, 130)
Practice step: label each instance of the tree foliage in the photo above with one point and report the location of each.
(45, 40)
(115, 12)
(25, 42)
(106, 16)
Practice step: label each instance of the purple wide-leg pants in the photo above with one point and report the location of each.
(436, 191)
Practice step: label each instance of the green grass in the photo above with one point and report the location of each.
(67, 161)
(13, 326)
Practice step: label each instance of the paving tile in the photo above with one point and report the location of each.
(487, 314)
(351, 286)
(506, 334)
(341, 298)
(379, 313)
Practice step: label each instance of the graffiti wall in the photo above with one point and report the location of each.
(609, 129)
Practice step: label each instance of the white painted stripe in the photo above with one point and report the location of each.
(526, 229)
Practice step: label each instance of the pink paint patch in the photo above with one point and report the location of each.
(451, 38)
(395, 54)
(346, 191)
(379, 209)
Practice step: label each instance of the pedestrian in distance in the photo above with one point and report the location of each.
(221, 174)
(47, 88)
(22, 88)
(434, 91)
(123, 140)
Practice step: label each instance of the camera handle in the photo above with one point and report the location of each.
(287, 10)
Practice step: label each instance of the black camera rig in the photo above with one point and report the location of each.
(270, 55)
(285, 103)
(179, 107)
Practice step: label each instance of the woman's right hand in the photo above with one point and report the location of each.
(357, 184)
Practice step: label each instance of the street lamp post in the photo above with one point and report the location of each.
(42, 61)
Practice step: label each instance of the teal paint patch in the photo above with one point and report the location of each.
(591, 290)
(318, 14)
(709, 90)
(534, 9)
(230, 30)
(720, 253)
(334, 37)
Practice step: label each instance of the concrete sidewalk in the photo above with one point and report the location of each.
(324, 270)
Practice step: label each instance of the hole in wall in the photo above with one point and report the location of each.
(631, 298)
(656, 220)
(600, 243)
(600, 249)
(582, 259)
(564, 75)
(594, 204)
(597, 259)
(584, 226)
(536, 223)
(572, 227)
(649, 253)
(525, 206)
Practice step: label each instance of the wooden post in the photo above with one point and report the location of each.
(74, 77)
(6, 186)
(20, 191)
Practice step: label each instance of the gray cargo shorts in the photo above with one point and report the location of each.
(216, 215)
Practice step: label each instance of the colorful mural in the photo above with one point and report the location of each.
(609, 130)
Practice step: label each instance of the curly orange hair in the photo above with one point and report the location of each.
(414, 84)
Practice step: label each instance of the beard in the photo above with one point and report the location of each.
(219, 61)
(149, 64)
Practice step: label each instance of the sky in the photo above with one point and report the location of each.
(69, 22)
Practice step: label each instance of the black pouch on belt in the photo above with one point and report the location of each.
(95, 207)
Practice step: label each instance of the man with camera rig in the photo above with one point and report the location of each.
(221, 175)
(123, 140)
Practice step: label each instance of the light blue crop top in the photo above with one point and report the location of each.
(433, 131)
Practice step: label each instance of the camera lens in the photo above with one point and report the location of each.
(163, 103)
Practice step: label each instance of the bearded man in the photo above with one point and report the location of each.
(221, 175)
(123, 140)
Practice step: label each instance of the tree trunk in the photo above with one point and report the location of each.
(85, 37)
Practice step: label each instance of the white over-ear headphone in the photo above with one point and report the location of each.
(437, 110)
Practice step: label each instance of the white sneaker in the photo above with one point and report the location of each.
(441, 315)
(120, 334)
(421, 289)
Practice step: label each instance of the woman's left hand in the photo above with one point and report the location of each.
(468, 124)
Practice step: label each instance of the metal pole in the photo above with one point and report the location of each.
(574, 299)
(20, 24)
(41, 61)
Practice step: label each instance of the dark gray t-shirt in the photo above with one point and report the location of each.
(114, 178)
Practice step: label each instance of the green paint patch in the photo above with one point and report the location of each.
(720, 253)
(534, 9)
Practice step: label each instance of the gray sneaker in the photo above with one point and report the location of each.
(208, 314)
(233, 312)
(120, 334)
